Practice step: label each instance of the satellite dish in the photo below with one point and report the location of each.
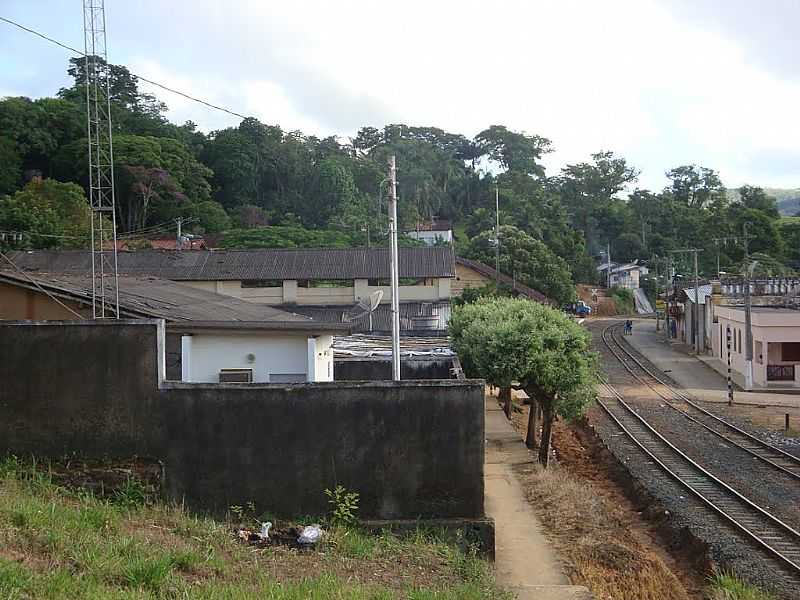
(365, 306)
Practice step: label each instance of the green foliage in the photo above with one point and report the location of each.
(276, 236)
(344, 506)
(726, 586)
(623, 300)
(132, 494)
(50, 213)
(512, 342)
(527, 259)
(10, 166)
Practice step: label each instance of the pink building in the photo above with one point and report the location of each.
(776, 343)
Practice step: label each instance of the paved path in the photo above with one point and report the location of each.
(695, 375)
(524, 561)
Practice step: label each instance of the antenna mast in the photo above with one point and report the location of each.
(105, 278)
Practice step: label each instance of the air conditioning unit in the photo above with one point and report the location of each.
(236, 375)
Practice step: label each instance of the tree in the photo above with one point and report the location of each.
(249, 216)
(695, 186)
(49, 213)
(526, 259)
(512, 150)
(10, 166)
(211, 217)
(533, 347)
(756, 198)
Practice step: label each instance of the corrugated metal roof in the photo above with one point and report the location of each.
(175, 302)
(232, 265)
(410, 316)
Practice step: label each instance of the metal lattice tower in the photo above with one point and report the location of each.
(105, 278)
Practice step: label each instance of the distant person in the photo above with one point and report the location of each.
(674, 326)
(630, 327)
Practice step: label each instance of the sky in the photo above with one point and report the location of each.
(660, 82)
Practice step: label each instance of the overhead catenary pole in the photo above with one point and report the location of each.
(394, 268)
(178, 243)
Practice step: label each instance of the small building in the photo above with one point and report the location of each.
(210, 338)
(685, 318)
(776, 343)
(625, 276)
(437, 231)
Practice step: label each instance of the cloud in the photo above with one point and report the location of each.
(660, 82)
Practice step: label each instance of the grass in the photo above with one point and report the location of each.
(623, 300)
(726, 586)
(60, 543)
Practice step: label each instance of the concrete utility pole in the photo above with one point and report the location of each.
(178, 242)
(393, 270)
(497, 236)
(655, 264)
(608, 272)
(666, 300)
(748, 325)
(730, 380)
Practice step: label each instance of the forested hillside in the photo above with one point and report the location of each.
(260, 186)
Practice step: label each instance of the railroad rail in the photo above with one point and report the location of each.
(777, 538)
(679, 401)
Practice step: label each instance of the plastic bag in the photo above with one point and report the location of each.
(310, 535)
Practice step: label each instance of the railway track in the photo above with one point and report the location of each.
(774, 536)
(679, 401)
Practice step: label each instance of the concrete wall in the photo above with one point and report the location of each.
(18, 304)
(95, 389)
(273, 354)
(467, 278)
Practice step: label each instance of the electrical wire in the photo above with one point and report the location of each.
(36, 283)
(49, 235)
(145, 79)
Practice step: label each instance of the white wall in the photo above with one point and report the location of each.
(274, 354)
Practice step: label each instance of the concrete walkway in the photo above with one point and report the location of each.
(695, 375)
(524, 561)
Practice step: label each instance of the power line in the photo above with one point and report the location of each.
(36, 283)
(49, 235)
(145, 79)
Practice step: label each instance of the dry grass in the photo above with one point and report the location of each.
(594, 537)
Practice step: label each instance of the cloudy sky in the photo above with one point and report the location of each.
(661, 82)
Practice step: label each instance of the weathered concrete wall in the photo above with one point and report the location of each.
(381, 370)
(409, 448)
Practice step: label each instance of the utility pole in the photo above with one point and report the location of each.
(178, 242)
(696, 311)
(748, 325)
(666, 302)
(497, 236)
(655, 264)
(394, 268)
(730, 380)
(608, 272)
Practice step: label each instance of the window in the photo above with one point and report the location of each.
(261, 283)
(325, 283)
(790, 351)
(287, 377)
(739, 334)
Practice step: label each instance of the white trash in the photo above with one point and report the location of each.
(310, 535)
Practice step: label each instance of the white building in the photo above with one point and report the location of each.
(625, 276)
(210, 338)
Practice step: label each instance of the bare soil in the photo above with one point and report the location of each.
(605, 528)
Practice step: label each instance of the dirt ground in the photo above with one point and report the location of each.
(606, 538)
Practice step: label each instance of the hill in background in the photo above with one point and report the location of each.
(788, 200)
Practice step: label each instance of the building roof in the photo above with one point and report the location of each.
(703, 292)
(491, 273)
(359, 346)
(420, 317)
(233, 265)
(619, 268)
(174, 302)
